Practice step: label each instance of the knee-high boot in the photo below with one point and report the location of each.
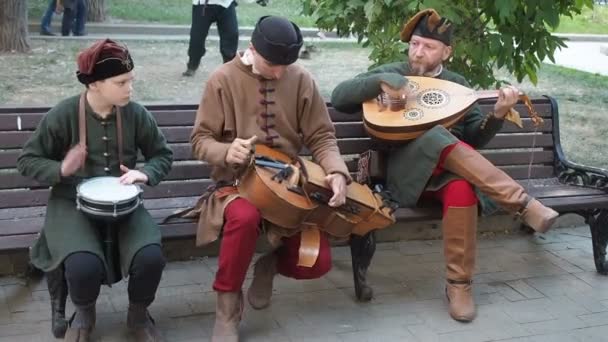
(260, 291)
(228, 312)
(58, 290)
(460, 246)
(497, 185)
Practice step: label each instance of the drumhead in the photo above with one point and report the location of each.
(107, 189)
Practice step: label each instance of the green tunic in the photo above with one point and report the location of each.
(410, 165)
(67, 230)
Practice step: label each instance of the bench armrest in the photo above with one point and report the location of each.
(572, 173)
(576, 174)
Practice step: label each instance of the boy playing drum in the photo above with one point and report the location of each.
(71, 242)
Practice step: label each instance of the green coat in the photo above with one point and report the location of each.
(67, 230)
(420, 155)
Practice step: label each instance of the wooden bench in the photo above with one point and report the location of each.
(558, 183)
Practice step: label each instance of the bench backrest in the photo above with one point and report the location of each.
(510, 150)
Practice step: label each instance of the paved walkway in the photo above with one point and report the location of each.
(528, 288)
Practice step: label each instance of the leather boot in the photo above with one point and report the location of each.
(228, 312)
(77, 335)
(501, 188)
(81, 324)
(260, 291)
(58, 291)
(142, 325)
(460, 246)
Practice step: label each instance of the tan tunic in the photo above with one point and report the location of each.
(285, 114)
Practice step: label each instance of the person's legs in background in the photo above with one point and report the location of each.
(45, 24)
(228, 30)
(201, 21)
(80, 18)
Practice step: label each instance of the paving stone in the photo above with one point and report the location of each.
(423, 333)
(531, 310)
(599, 318)
(580, 257)
(524, 289)
(563, 323)
(378, 334)
(558, 285)
(527, 288)
(419, 246)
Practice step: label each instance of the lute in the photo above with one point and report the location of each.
(430, 102)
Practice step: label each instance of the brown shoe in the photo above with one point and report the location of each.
(459, 227)
(537, 216)
(460, 300)
(149, 333)
(260, 291)
(77, 335)
(141, 324)
(228, 312)
(497, 185)
(189, 72)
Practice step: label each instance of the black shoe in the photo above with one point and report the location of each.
(189, 72)
(80, 34)
(46, 33)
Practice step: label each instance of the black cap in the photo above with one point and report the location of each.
(277, 39)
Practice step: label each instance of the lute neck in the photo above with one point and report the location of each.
(490, 94)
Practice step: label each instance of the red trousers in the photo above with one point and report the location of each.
(457, 193)
(241, 229)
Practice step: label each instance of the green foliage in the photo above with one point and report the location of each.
(489, 34)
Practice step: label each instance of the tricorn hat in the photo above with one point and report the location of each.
(429, 24)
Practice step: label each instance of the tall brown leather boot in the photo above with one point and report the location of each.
(260, 291)
(497, 185)
(228, 312)
(460, 246)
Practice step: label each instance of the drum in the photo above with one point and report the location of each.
(106, 199)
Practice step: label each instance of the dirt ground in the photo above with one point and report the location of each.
(47, 74)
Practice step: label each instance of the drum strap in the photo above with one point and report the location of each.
(82, 126)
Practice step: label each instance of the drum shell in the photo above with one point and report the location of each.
(105, 210)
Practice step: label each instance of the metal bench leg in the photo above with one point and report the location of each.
(58, 291)
(362, 250)
(598, 223)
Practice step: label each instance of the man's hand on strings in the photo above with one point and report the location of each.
(395, 93)
(507, 98)
(337, 183)
(132, 176)
(240, 151)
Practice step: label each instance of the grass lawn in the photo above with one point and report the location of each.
(180, 12)
(589, 21)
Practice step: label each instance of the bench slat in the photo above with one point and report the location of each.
(155, 203)
(29, 121)
(500, 158)
(520, 141)
(33, 198)
(12, 179)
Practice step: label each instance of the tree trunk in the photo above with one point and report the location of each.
(13, 26)
(96, 10)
